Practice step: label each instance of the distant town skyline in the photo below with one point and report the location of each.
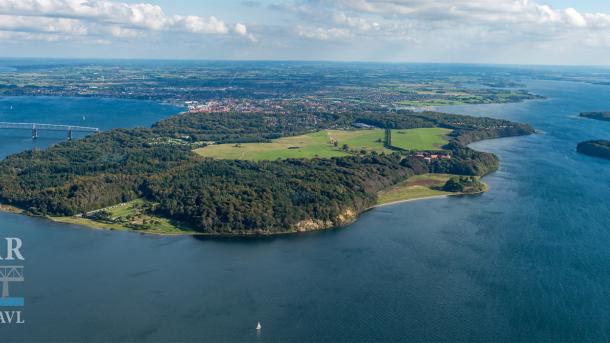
(448, 31)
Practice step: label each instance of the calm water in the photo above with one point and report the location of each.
(100, 113)
(528, 261)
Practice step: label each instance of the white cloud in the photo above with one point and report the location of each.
(482, 21)
(42, 25)
(241, 29)
(138, 15)
(473, 11)
(503, 31)
(574, 18)
(355, 22)
(196, 24)
(99, 17)
(27, 36)
(322, 33)
(415, 30)
(122, 32)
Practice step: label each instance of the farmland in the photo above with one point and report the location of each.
(329, 143)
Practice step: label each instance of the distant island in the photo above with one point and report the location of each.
(596, 148)
(234, 173)
(604, 116)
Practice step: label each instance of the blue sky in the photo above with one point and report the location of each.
(582, 5)
(474, 31)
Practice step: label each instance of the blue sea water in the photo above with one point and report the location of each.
(90, 112)
(527, 261)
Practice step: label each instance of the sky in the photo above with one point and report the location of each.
(548, 32)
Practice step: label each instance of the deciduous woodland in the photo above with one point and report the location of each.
(216, 196)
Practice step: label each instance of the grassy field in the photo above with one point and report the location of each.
(432, 102)
(416, 187)
(420, 139)
(158, 225)
(320, 144)
(306, 146)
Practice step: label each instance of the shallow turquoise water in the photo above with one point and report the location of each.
(527, 261)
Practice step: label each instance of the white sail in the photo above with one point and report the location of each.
(258, 326)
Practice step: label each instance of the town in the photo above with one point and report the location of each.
(201, 88)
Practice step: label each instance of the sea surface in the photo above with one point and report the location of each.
(89, 112)
(527, 261)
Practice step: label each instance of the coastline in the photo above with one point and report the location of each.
(10, 209)
(441, 196)
(92, 225)
(412, 200)
(298, 228)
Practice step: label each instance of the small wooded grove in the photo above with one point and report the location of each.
(225, 196)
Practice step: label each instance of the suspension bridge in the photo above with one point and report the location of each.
(36, 127)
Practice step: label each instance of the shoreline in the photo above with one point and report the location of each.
(93, 225)
(100, 226)
(412, 200)
(429, 197)
(11, 209)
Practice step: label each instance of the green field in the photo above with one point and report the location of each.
(432, 102)
(320, 144)
(416, 187)
(129, 213)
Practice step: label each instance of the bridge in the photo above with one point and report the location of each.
(10, 274)
(35, 127)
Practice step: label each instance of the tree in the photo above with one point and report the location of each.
(453, 185)
(101, 216)
(387, 137)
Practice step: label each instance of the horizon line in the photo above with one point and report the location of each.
(299, 61)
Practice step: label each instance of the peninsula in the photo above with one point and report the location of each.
(246, 173)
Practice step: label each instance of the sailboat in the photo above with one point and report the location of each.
(11, 107)
(258, 326)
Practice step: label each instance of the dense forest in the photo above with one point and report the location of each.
(240, 196)
(224, 196)
(597, 148)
